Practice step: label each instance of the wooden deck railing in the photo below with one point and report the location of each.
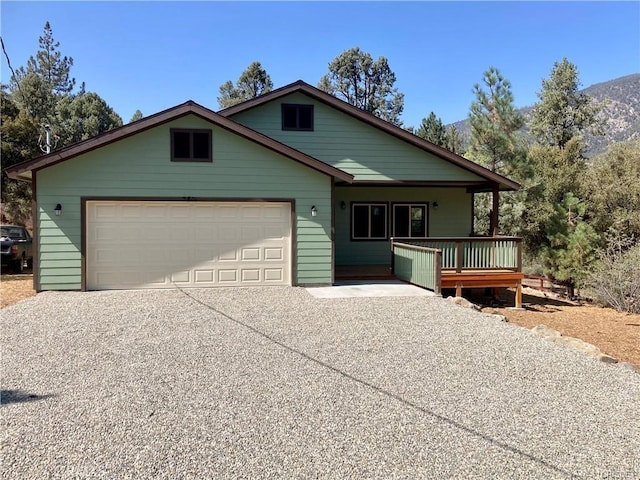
(419, 265)
(475, 262)
(474, 253)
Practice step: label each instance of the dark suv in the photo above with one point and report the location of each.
(16, 247)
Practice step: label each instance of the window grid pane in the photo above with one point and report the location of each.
(191, 145)
(418, 225)
(360, 221)
(378, 221)
(181, 145)
(401, 221)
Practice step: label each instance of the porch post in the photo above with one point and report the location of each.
(494, 210)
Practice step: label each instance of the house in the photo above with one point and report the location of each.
(284, 189)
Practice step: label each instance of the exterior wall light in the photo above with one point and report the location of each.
(435, 205)
(58, 210)
(343, 205)
(314, 211)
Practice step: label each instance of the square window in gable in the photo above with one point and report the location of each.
(297, 117)
(191, 145)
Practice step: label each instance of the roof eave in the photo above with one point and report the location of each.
(20, 170)
(324, 97)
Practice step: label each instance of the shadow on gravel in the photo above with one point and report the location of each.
(18, 396)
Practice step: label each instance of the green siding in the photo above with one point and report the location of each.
(140, 166)
(353, 146)
(451, 219)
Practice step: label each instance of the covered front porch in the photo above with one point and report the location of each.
(438, 263)
(424, 235)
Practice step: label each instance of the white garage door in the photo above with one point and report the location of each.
(159, 244)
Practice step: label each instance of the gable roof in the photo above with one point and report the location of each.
(23, 170)
(400, 133)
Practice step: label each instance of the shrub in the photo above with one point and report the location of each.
(616, 279)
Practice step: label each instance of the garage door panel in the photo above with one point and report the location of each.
(251, 212)
(250, 275)
(273, 275)
(273, 254)
(250, 254)
(204, 276)
(164, 244)
(229, 212)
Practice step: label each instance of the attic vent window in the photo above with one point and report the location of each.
(297, 117)
(190, 145)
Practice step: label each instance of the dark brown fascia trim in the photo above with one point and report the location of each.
(35, 240)
(83, 243)
(486, 187)
(187, 199)
(262, 99)
(187, 108)
(333, 233)
(100, 140)
(417, 183)
(360, 114)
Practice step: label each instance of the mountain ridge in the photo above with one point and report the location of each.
(620, 98)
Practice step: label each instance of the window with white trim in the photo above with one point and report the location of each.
(410, 220)
(369, 221)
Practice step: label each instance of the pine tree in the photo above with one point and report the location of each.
(563, 112)
(495, 143)
(570, 249)
(83, 116)
(137, 115)
(19, 135)
(433, 130)
(556, 226)
(253, 82)
(42, 94)
(454, 140)
(495, 122)
(367, 84)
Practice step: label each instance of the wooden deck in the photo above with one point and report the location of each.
(450, 279)
(483, 279)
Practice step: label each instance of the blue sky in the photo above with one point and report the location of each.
(154, 55)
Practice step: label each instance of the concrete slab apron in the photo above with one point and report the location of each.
(369, 289)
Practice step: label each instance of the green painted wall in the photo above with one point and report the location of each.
(451, 219)
(352, 145)
(140, 166)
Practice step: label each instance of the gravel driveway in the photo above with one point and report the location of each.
(273, 383)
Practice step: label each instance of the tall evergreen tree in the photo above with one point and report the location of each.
(562, 112)
(495, 122)
(612, 190)
(137, 115)
(571, 243)
(19, 144)
(83, 116)
(253, 82)
(454, 140)
(558, 123)
(42, 93)
(367, 84)
(46, 77)
(433, 130)
(495, 143)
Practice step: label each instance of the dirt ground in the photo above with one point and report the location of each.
(614, 333)
(14, 288)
